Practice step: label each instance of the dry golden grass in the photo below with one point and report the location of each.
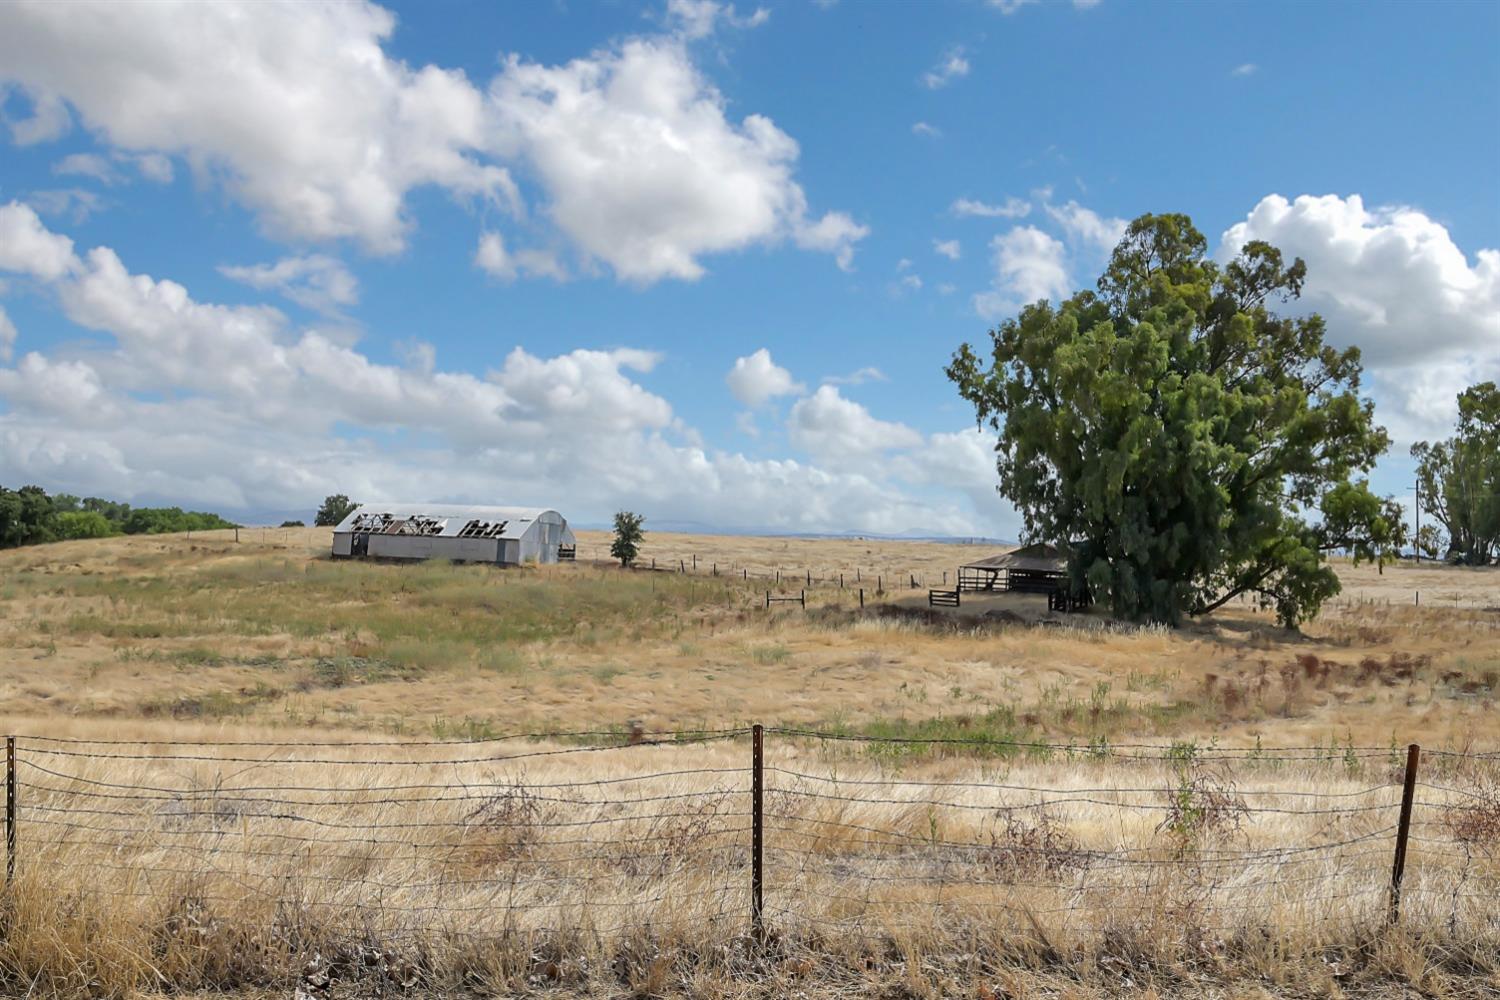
(890, 880)
(270, 631)
(515, 866)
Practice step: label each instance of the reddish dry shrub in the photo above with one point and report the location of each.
(1478, 821)
(1031, 846)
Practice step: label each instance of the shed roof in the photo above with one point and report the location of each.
(1039, 558)
(444, 520)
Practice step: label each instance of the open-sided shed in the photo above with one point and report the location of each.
(507, 536)
(1032, 569)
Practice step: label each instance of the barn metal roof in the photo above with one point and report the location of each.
(444, 520)
(1040, 558)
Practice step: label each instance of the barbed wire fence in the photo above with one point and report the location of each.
(798, 835)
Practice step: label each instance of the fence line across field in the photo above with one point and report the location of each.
(295, 824)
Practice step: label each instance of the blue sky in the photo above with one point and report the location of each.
(702, 261)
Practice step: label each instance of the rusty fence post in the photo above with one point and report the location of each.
(1403, 830)
(10, 810)
(757, 834)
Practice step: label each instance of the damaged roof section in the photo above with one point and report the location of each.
(441, 520)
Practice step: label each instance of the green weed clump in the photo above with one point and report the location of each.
(346, 671)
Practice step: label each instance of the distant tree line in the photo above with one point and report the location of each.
(28, 516)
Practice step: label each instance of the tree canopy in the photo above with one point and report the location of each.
(1179, 440)
(335, 508)
(26, 517)
(629, 534)
(1459, 479)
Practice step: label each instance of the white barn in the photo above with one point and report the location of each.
(507, 536)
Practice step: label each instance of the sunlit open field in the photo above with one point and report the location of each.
(270, 632)
(1003, 802)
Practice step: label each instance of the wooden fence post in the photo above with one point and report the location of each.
(1403, 830)
(861, 597)
(757, 834)
(10, 810)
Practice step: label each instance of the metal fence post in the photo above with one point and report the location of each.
(10, 810)
(757, 838)
(1403, 830)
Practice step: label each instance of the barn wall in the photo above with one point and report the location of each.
(434, 547)
(470, 549)
(540, 540)
(342, 542)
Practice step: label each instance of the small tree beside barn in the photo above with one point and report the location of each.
(629, 534)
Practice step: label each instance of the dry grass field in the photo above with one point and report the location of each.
(1003, 803)
(271, 632)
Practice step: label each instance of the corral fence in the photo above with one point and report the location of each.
(756, 832)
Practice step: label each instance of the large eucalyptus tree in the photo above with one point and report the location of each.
(1181, 440)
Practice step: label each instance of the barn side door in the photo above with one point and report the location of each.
(359, 545)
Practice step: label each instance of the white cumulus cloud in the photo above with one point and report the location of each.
(28, 247)
(952, 66)
(1085, 226)
(756, 379)
(303, 115)
(696, 19)
(1029, 265)
(7, 335)
(310, 122)
(644, 171)
(316, 281)
(1391, 281)
(1011, 208)
(841, 433)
